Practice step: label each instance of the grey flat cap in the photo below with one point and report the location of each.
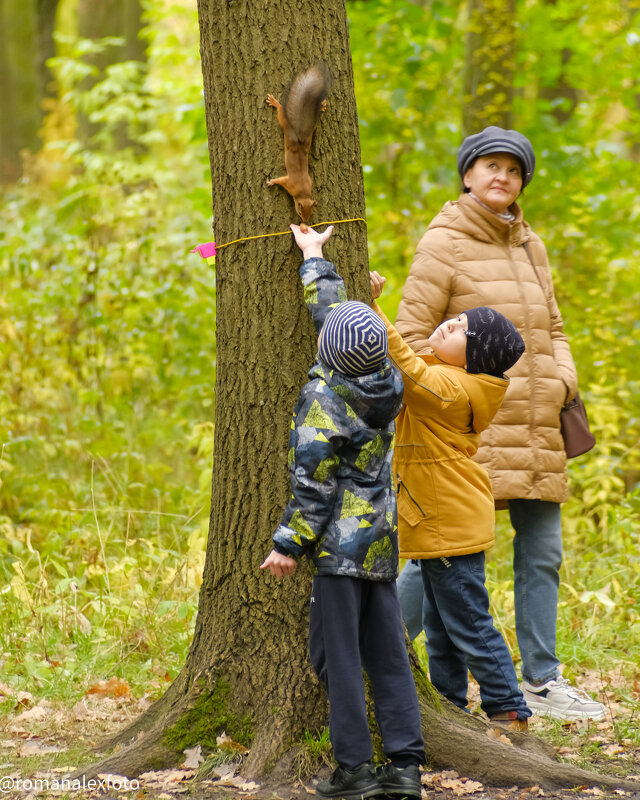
(497, 140)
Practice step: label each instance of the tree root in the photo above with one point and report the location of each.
(472, 748)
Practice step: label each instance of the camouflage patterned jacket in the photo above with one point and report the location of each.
(342, 512)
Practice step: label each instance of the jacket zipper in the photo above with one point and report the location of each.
(404, 486)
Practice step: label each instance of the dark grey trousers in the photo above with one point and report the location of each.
(356, 624)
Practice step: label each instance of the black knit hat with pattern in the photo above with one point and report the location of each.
(493, 342)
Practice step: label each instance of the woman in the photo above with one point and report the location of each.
(479, 251)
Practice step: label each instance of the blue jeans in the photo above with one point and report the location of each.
(537, 557)
(411, 597)
(461, 636)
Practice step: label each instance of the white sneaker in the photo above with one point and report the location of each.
(559, 699)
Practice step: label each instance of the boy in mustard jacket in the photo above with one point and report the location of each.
(445, 505)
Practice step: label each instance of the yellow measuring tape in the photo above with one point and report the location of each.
(210, 249)
(284, 233)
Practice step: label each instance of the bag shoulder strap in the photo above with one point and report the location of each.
(527, 250)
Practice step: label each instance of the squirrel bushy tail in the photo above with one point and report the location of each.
(303, 102)
(298, 117)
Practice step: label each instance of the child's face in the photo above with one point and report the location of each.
(449, 341)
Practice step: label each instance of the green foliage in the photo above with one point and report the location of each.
(313, 753)
(107, 372)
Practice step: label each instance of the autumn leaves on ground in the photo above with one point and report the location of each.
(47, 741)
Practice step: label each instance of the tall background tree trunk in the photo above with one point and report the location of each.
(489, 65)
(20, 112)
(116, 18)
(45, 46)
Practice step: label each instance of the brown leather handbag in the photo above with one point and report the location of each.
(574, 424)
(574, 427)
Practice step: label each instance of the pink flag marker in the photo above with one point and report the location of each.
(206, 250)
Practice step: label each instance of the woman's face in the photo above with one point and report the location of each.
(495, 180)
(449, 341)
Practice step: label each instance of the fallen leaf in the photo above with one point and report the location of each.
(494, 733)
(248, 786)
(224, 770)
(115, 687)
(193, 758)
(39, 711)
(35, 747)
(225, 742)
(461, 786)
(24, 699)
(166, 777)
(612, 750)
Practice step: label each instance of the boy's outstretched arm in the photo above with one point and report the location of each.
(323, 287)
(421, 386)
(311, 241)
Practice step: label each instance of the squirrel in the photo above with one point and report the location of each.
(298, 118)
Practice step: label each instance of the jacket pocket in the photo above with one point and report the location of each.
(408, 507)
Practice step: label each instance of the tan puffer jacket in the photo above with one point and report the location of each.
(470, 257)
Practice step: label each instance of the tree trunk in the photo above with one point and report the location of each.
(20, 110)
(116, 18)
(489, 65)
(45, 45)
(247, 671)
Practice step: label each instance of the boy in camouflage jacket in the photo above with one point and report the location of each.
(342, 516)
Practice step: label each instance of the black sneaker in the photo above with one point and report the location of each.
(359, 782)
(400, 781)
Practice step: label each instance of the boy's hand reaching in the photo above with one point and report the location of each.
(310, 242)
(279, 565)
(377, 282)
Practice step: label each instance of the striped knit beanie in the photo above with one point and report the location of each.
(493, 342)
(353, 339)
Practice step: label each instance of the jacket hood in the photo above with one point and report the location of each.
(485, 393)
(469, 218)
(376, 398)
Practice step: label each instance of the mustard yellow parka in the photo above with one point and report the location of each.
(471, 257)
(445, 506)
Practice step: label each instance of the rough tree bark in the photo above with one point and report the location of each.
(489, 65)
(247, 671)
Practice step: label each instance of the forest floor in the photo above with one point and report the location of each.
(43, 743)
